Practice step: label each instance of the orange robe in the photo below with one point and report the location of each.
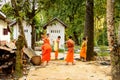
(83, 49)
(46, 40)
(70, 53)
(46, 50)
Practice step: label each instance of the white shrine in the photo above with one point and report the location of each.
(56, 28)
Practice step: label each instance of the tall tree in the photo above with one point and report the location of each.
(110, 22)
(31, 9)
(89, 28)
(21, 39)
(119, 34)
(100, 22)
(30, 12)
(113, 44)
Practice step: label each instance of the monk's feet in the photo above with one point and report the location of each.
(66, 64)
(84, 60)
(43, 66)
(47, 64)
(73, 63)
(56, 58)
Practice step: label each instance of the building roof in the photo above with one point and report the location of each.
(54, 19)
(12, 23)
(2, 16)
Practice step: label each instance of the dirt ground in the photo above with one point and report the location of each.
(57, 70)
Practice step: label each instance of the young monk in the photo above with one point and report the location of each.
(46, 51)
(56, 47)
(48, 35)
(70, 54)
(83, 49)
(45, 37)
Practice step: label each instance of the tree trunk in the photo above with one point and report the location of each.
(21, 30)
(115, 58)
(20, 42)
(110, 22)
(19, 20)
(33, 35)
(114, 46)
(76, 38)
(31, 14)
(115, 63)
(89, 29)
(119, 34)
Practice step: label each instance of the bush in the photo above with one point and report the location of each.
(104, 54)
(104, 51)
(103, 48)
(39, 43)
(61, 50)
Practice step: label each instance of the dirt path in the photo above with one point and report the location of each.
(57, 70)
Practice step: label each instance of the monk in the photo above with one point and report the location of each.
(56, 47)
(83, 50)
(70, 54)
(48, 37)
(45, 37)
(46, 50)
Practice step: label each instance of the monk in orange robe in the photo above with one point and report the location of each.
(48, 37)
(45, 37)
(70, 54)
(83, 50)
(56, 47)
(46, 51)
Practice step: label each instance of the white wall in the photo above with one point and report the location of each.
(27, 30)
(15, 32)
(3, 25)
(56, 30)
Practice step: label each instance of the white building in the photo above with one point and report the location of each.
(4, 29)
(56, 28)
(27, 31)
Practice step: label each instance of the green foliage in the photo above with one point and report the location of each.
(71, 13)
(8, 10)
(103, 51)
(117, 11)
(61, 50)
(117, 16)
(100, 8)
(103, 48)
(38, 23)
(101, 37)
(39, 43)
(99, 22)
(104, 54)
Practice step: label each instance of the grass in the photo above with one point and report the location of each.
(103, 51)
(103, 54)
